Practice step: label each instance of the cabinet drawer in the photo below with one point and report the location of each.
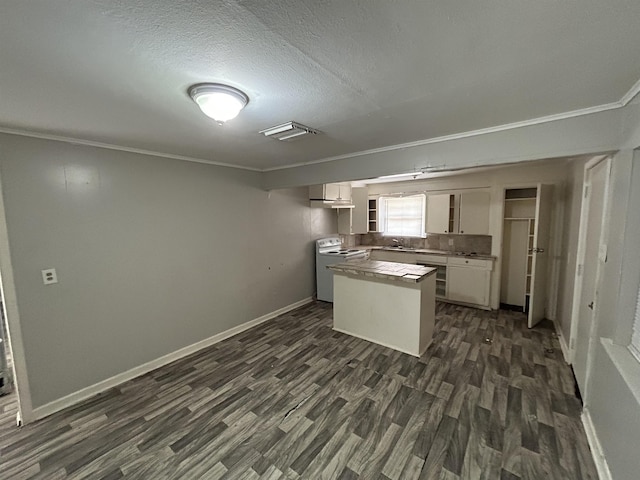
(398, 257)
(470, 262)
(434, 259)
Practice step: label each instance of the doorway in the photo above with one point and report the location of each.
(19, 397)
(591, 258)
(6, 360)
(527, 217)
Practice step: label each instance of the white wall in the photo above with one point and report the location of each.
(152, 255)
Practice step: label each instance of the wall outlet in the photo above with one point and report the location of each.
(451, 242)
(49, 276)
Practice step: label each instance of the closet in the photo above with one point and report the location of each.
(527, 213)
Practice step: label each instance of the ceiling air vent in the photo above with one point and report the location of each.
(288, 131)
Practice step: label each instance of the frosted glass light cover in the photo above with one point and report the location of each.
(220, 102)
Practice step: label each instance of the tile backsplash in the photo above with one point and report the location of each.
(480, 244)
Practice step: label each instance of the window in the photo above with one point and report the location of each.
(635, 337)
(403, 216)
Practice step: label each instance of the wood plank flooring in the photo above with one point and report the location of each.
(490, 399)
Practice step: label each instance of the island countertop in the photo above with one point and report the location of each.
(384, 270)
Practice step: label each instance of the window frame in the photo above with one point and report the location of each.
(383, 216)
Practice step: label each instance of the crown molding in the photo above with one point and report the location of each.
(457, 136)
(631, 94)
(626, 98)
(109, 146)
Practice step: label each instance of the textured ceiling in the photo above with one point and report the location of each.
(368, 73)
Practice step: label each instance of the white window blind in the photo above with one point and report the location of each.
(635, 337)
(403, 216)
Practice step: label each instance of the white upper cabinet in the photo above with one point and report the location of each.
(438, 215)
(465, 213)
(330, 191)
(474, 213)
(355, 220)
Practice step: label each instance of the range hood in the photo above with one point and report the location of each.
(331, 204)
(330, 195)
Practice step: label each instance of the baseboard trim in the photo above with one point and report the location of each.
(92, 390)
(596, 448)
(563, 344)
(363, 337)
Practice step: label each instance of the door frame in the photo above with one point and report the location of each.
(580, 260)
(555, 238)
(12, 317)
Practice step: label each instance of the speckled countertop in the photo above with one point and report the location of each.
(386, 270)
(427, 251)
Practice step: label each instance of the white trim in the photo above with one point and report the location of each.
(596, 448)
(626, 98)
(90, 391)
(604, 237)
(458, 136)
(627, 365)
(634, 344)
(630, 95)
(12, 316)
(120, 148)
(580, 254)
(563, 344)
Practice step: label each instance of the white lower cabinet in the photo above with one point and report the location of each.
(398, 257)
(459, 279)
(468, 285)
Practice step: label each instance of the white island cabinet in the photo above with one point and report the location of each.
(388, 303)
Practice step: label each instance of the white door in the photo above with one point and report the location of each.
(597, 178)
(474, 213)
(538, 296)
(438, 213)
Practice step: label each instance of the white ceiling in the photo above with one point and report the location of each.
(368, 73)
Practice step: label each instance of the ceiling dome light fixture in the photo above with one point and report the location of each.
(220, 102)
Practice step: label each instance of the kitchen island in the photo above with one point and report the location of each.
(388, 303)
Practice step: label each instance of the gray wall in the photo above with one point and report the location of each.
(152, 255)
(587, 134)
(614, 398)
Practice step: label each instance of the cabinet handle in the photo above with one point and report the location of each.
(461, 231)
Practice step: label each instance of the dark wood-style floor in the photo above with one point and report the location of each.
(292, 399)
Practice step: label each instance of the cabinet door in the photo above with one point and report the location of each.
(360, 211)
(438, 213)
(344, 191)
(468, 284)
(474, 213)
(331, 191)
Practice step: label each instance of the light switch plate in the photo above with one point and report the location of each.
(49, 276)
